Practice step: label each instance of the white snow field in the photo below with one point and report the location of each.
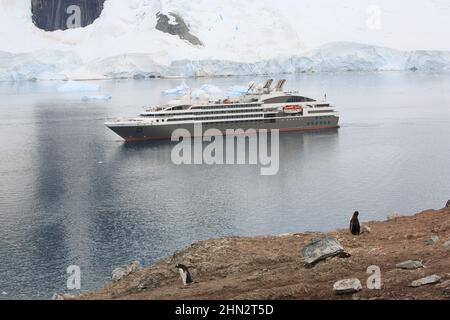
(239, 38)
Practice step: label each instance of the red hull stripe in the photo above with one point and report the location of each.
(137, 139)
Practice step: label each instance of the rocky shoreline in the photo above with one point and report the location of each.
(405, 257)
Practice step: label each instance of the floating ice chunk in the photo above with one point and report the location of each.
(180, 90)
(98, 97)
(76, 86)
(237, 91)
(211, 89)
(4, 293)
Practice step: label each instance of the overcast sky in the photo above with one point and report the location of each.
(400, 24)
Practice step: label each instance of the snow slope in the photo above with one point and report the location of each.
(229, 29)
(239, 38)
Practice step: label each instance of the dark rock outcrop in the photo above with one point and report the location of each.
(52, 15)
(176, 28)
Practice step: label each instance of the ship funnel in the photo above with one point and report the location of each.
(268, 84)
(280, 85)
(251, 86)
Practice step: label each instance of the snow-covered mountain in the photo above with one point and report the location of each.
(144, 38)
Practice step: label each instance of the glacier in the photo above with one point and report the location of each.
(336, 57)
(124, 43)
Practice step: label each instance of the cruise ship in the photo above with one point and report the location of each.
(261, 107)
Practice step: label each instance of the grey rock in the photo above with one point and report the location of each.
(365, 229)
(347, 286)
(179, 29)
(135, 266)
(121, 272)
(150, 282)
(446, 291)
(409, 265)
(57, 296)
(393, 216)
(322, 248)
(424, 281)
(447, 244)
(433, 240)
(254, 277)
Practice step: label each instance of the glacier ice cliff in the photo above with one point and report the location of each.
(334, 57)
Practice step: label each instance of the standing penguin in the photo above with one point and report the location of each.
(448, 204)
(184, 273)
(354, 224)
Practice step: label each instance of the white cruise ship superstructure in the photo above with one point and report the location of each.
(262, 107)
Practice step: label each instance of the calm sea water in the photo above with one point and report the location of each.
(72, 193)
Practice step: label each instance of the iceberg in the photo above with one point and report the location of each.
(76, 86)
(180, 90)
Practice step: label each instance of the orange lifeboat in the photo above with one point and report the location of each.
(292, 109)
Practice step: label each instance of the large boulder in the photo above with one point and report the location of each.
(347, 286)
(322, 248)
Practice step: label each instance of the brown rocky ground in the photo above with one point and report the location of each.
(272, 267)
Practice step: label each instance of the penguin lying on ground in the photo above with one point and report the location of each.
(184, 273)
(354, 224)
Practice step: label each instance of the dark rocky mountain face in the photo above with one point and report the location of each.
(178, 28)
(51, 15)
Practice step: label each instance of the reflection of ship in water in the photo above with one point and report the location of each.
(262, 107)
